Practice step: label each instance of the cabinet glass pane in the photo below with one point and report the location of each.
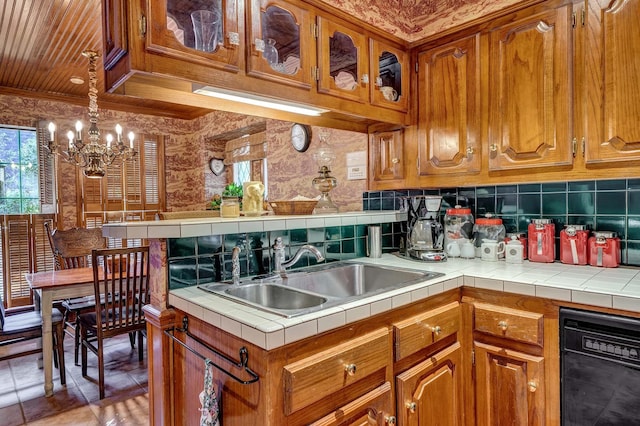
(197, 24)
(343, 61)
(281, 37)
(390, 78)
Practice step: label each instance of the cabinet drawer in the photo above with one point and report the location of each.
(509, 323)
(313, 378)
(420, 331)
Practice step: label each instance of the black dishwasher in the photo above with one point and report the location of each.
(600, 368)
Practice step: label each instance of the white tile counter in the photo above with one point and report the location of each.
(617, 288)
(198, 227)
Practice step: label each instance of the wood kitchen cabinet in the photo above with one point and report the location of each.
(530, 81)
(509, 387)
(343, 61)
(386, 159)
(515, 358)
(282, 47)
(390, 75)
(431, 392)
(610, 59)
(449, 115)
(301, 52)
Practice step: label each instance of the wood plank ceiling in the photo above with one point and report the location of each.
(41, 44)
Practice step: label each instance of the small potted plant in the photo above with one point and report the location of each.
(230, 202)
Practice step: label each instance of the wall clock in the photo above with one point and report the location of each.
(300, 137)
(216, 165)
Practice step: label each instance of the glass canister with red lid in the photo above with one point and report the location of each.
(487, 228)
(604, 249)
(542, 241)
(573, 245)
(458, 225)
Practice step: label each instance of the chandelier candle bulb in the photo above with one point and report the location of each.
(109, 139)
(131, 138)
(70, 137)
(52, 131)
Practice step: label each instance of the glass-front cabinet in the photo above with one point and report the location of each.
(390, 76)
(342, 61)
(203, 31)
(281, 44)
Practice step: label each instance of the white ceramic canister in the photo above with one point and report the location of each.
(513, 252)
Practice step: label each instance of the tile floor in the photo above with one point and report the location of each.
(22, 400)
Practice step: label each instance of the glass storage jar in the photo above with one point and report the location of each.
(230, 207)
(487, 228)
(458, 226)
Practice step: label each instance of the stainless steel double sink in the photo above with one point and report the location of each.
(318, 287)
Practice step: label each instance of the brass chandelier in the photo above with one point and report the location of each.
(92, 156)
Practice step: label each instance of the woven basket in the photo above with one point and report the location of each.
(293, 207)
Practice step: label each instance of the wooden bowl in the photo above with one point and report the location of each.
(293, 207)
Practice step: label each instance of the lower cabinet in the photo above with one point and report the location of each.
(460, 358)
(374, 408)
(509, 387)
(431, 392)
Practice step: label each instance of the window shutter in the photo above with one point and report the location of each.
(16, 235)
(151, 174)
(46, 171)
(91, 194)
(132, 181)
(43, 256)
(115, 199)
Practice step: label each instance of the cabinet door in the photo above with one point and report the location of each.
(342, 61)
(390, 72)
(509, 387)
(612, 70)
(530, 102)
(199, 31)
(431, 392)
(386, 161)
(449, 109)
(282, 48)
(373, 408)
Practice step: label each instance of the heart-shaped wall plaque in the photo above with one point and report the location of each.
(216, 165)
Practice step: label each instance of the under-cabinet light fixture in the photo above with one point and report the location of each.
(256, 100)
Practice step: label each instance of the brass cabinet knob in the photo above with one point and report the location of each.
(365, 78)
(412, 406)
(470, 151)
(533, 386)
(395, 160)
(391, 420)
(350, 369)
(437, 329)
(493, 147)
(503, 325)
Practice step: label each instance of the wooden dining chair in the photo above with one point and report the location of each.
(120, 277)
(72, 249)
(20, 325)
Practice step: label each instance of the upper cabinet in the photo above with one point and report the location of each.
(389, 68)
(282, 47)
(530, 97)
(343, 64)
(291, 51)
(449, 108)
(201, 31)
(611, 79)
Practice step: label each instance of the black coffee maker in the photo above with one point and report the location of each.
(424, 233)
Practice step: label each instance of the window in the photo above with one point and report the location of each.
(19, 171)
(248, 157)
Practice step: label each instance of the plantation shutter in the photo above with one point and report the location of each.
(115, 199)
(133, 182)
(91, 194)
(15, 236)
(152, 174)
(46, 171)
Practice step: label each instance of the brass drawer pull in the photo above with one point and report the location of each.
(350, 369)
(503, 325)
(391, 420)
(436, 330)
(533, 386)
(412, 406)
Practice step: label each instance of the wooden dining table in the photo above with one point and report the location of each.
(50, 286)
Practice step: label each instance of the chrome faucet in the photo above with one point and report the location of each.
(281, 264)
(235, 265)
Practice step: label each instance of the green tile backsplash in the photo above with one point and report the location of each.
(606, 205)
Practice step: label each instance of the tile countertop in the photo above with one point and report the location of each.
(617, 288)
(197, 227)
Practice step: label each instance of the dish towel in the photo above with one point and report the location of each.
(208, 398)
